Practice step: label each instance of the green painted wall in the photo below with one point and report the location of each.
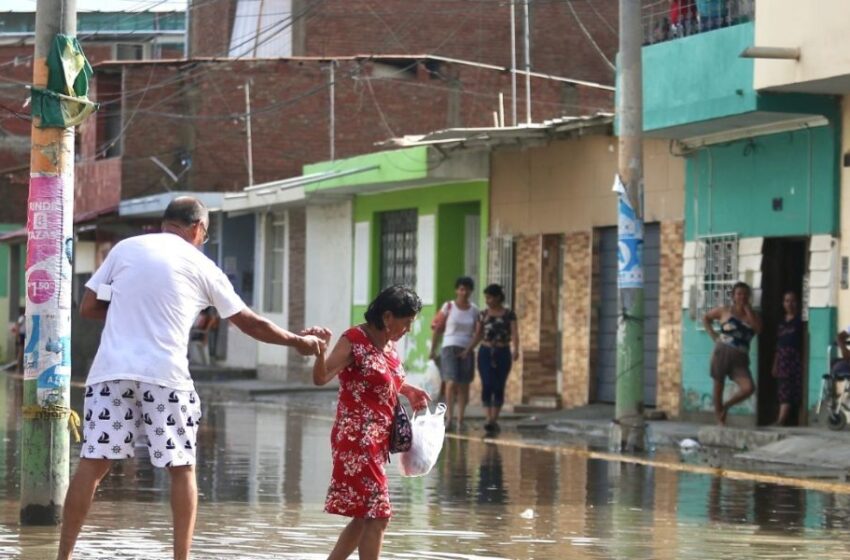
(698, 78)
(394, 166)
(730, 187)
(451, 241)
(432, 200)
(4, 261)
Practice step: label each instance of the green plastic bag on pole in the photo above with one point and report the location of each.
(65, 101)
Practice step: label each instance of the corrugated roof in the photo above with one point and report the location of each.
(488, 136)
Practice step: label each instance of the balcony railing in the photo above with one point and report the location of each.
(666, 20)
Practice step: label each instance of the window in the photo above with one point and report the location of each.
(108, 130)
(398, 248)
(717, 266)
(129, 51)
(500, 264)
(275, 247)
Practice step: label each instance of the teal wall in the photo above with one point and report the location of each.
(698, 78)
(448, 203)
(730, 187)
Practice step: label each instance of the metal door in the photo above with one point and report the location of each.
(606, 358)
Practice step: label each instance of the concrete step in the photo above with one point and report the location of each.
(737, 438)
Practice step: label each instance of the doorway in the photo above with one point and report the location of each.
(783, 268)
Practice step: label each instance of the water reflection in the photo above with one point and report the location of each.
(264, 468)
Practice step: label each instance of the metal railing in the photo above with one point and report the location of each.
(666, 20)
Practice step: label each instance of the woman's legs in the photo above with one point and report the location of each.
(485, 369)
(746, 387)
(784, 413)
(462, 397)
(348, 540)
(451, 397)
(503, 368)
(719, 410)
(372, 539)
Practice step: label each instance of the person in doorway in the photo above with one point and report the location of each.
(731, 355)
(371, 379)
(455, 325)
(497, 331)
(788, 362)
(149, 290)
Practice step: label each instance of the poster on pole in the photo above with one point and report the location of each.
(47, 351)
(629, 240)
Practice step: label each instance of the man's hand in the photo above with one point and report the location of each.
(319, 332)
(310, 345)
(418, 398)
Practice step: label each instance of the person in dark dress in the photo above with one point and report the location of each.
(788, 362)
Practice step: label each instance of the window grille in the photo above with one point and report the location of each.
(717, 271)
(398, 248)
(500, 264)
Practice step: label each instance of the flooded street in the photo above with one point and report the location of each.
(264, 468)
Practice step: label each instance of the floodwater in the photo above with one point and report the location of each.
(264, 468)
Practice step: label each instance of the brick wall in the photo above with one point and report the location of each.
(540, 368)
(194, 110)
(527, 308)
(670, 318)
(478, 31)
(576, 343)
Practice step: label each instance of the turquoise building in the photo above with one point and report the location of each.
(761, 203)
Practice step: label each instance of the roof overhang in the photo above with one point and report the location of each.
(154, 206)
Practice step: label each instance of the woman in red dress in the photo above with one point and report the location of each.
(371, 377)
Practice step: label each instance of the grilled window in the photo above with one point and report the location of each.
(398, 248)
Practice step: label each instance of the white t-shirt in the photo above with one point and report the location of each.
(159, 284)
(460, 325)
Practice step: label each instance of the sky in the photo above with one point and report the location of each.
(102, 5)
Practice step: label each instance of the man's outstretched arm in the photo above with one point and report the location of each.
(262, 329)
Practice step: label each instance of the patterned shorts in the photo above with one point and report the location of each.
(121, 414)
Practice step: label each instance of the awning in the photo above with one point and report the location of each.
(154, 206)
(284, 192)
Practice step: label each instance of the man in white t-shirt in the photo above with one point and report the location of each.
(149, 290)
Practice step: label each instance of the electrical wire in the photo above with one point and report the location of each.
(590, 37)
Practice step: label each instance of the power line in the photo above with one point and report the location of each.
(590, 37)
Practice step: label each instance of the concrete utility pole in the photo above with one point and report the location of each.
(629, 185)
(527, 40)
(248, 133)
(513, 63)
(47, 354)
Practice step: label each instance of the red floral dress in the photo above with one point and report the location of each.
(368, 391)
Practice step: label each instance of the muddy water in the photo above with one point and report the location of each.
(264, 468)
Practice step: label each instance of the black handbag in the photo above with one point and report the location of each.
(401, 435)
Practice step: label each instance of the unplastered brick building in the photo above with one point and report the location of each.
(187, 125)
(576, 38)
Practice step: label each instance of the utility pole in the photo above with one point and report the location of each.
(248, 132)
(45, 441)
(527, 33)
(513, 63)
(332, 108)
(629, 186)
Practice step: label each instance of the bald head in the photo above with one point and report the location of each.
(186, 211)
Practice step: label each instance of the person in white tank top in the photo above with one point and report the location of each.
(455, 324)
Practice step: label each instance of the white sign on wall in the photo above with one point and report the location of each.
(360, 286)
(425, 242)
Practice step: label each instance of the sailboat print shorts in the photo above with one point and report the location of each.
(120, 414)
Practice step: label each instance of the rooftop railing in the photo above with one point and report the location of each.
(667, 20)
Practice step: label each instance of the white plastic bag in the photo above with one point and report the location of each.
(429, 431)
(432, 379)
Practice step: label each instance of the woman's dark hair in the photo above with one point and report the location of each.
(496, 291)
(398, 300)
(743, 286)
(466, 282)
